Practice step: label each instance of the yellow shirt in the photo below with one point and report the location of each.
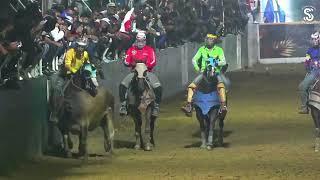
(72, 63)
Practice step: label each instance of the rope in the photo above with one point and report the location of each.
(77, 87)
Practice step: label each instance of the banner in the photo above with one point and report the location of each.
(285, 40)
(284, 11)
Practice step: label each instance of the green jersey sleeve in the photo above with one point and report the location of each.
(196, 59)
(222, 59)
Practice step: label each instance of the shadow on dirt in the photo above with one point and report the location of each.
(225, 134)
(215, 144)
(119, 144)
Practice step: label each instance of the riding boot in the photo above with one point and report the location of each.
(156, 108)
(222, 97)
(187, 109)
(60, 85)
(122, 94)
(304, 100)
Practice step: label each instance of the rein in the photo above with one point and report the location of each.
(76, 86)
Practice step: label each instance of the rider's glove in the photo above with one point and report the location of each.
(133, 64)
(196, 68)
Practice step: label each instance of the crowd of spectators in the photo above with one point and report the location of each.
(111, 29)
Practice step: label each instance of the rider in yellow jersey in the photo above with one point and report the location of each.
(76, 57)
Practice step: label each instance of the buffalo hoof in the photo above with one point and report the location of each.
(85, 159)
(203, 146)
(152, 142)
(81, 153)
(148, 147)
(70, 143)
(137, 147)
(68, 154)
(317, 145)
(108, 147)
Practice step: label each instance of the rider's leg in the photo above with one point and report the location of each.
(158, 94)
(122, 93)
(59, 83)
(156, 85)
(226, 81)
(304, 87)
(188, 107)
(221, 89)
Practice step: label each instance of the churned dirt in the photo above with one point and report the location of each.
(265, 138)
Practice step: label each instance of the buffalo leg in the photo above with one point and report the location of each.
(147, 129)
(70, 143)
(67, 150)
(108, 130)
(212, 123)
(201, 120)
(152, 124)
(83, 149)
(316, 118)
(138, 124)
(220, 136)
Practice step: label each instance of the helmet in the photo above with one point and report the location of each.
(211, 40)
(141, 40)
(315, 37)
(82, 42)
(111, 4)
(212, 36)
(141, 36)
(81, 45)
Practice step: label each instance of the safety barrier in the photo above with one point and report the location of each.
(23, 115)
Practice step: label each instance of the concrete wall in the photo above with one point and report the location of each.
(244, 50)
(23, 116)
(253, 44)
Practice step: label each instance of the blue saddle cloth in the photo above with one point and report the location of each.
(206, 101)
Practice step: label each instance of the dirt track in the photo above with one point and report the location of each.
(265, 139)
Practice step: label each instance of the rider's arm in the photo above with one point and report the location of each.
(307, 62)
(222, 59)
(86, 57)
(308, 57)
(196, 58)
(128, 60)
(152, 59)
(68, 60)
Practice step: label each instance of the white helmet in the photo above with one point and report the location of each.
(141, 40)
(82, 42)
(315, 38)
(141, 36)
